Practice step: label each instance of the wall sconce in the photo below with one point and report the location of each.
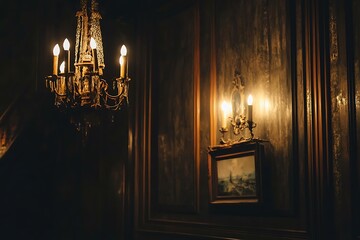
(234, 114)
(238, 123)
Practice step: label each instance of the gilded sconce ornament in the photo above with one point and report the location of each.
(239, 122)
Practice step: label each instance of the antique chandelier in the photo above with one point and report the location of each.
(81, 85)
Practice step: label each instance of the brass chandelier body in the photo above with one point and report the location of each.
(84, 86)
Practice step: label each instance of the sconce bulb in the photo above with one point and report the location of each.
(62, 67)
(56, 50)
(225, 107)
(250, 100)
(123, 50)
(66, 44)
(92, 43)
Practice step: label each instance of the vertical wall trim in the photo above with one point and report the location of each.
(353, 155)
(294, 88)
(213, 97)
(318, 128)
(197, 104)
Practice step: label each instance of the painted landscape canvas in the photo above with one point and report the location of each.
(236, 177)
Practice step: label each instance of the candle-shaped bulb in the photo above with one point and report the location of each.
(56, 50)
(250, 100)
(226, 108)
(123, 62)
(62, 67)
(123, 50)
(66, 44)
(95, 60)
(250, 103)
(93, 43)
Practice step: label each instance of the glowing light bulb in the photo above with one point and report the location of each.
(66, 44)
(56, 50)
(92, 43)
(250, 100)
(123, 50)
(250, 107)
(226, 109)
(62, 67)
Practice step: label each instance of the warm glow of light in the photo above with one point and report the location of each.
(226, 108)
(250, 100)
(121, 60)
(123, 50)
(56, 50)
(62, 67)
(66, 44)
(265, 104)
(92, 43)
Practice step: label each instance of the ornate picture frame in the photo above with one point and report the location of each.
(236, 174)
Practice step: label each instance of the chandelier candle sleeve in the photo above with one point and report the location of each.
(121, 61)
(94, 51)
(66, 46)
(250, 107)
(56, 52)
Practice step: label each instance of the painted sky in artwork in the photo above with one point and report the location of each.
(242, 165)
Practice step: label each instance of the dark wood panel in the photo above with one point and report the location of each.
(174, 131)
(339, 118)
(254, 39)
(355, 51)
(155, 217)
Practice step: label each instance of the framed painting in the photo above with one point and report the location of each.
(235, 174)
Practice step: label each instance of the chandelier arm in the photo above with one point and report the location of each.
(59, 94)
(115, 106)
(118, 101)
(113, 96)
(122, 93)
